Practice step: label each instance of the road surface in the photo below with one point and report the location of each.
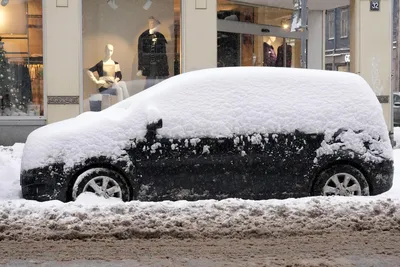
(352, 248)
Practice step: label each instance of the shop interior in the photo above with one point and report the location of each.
(21, 58)
(235, 49)
(126, 26)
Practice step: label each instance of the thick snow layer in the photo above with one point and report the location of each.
(91, 216)
(10, 162)
(222, 102)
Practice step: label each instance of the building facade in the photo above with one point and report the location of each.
(67, 57)
(337, 39)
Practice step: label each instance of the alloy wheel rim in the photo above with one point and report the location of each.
(103, 186)
(342, 184)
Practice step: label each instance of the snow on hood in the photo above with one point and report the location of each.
(219, 102)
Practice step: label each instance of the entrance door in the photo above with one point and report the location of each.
(248, 44)
(236, 49)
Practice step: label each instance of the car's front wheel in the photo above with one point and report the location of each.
(341, 180)
(102, 182)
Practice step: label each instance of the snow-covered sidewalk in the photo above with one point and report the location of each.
(90, 216)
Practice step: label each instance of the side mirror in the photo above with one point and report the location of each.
(152, 129)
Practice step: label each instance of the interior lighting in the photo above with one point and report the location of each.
(147, 5)
(112, 4)
(285, 24)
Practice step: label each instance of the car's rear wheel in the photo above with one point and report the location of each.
(341, 180)
(102, 182)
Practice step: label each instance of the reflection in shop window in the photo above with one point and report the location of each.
(246, 49)
(128, 48)
(21, 58)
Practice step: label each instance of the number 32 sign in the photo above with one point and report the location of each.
(374, 5)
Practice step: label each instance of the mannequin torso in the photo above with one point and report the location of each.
(108, 70)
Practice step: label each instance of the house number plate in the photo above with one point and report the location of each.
(374, 5)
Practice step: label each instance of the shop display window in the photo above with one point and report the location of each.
(247, 49)
(128, 46)
(21, 58)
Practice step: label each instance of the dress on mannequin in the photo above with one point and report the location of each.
(153, 61)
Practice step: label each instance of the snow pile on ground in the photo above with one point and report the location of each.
(227, 218)
(221, 102)
(91, 216)
(10, 161)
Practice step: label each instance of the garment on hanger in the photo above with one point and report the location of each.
(22, 84)
(269, 55)
(36, 71)
(281, 55)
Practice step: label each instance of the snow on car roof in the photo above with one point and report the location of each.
(218, 102)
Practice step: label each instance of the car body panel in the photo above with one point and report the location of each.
(249, 167)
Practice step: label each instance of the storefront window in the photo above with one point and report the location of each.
(344, 68)
(128, 46)
(252, 50)
(248, 49)
(21, 58)
(273, 16)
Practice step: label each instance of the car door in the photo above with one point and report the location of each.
(184, 168)
(274, 165)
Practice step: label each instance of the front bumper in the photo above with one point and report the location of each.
(381, 177)
(43, 184)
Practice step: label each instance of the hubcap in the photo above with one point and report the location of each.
(103, 186)
(342, 184)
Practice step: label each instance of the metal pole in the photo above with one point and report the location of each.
(304, 32)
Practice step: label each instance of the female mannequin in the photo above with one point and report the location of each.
(110, 76)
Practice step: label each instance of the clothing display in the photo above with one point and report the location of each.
(269, 55)
(36, 74)
(15, 101)
(281, 55)
(153, 61)
(108, 70)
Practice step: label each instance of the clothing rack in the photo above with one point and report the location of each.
(25, 60)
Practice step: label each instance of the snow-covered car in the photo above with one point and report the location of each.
(238, 132)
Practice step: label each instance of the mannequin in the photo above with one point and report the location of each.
(110, 76)
(280, 61)
(153, 61)
(269, 52)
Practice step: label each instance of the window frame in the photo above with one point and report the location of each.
(331, 25)
(344, 23)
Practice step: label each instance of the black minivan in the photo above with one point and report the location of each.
(239, 132)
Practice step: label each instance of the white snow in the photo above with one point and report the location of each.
(10, 161)
(91, 216)
(222, 102)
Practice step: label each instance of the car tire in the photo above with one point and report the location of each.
(341, 180)
(102, 182)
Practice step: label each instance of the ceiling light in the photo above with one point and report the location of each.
(147, 5)
(112, 4)
(285, 24)
(4, 2)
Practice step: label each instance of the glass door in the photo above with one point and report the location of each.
(236, 49)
